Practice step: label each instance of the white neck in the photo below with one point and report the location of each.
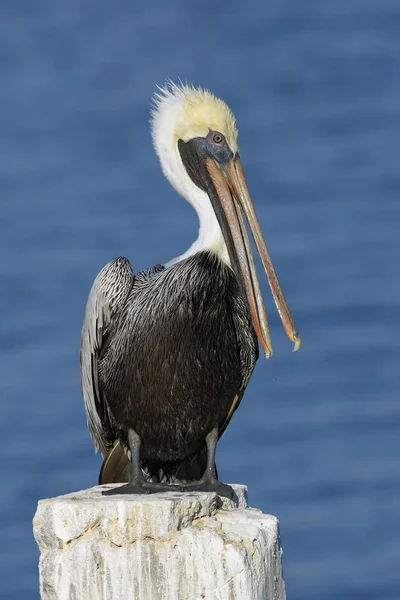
(210, 235)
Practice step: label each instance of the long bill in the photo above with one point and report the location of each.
(234, 200)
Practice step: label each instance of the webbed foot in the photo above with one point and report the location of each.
(129, 488)
(219, 488)
(146, 487)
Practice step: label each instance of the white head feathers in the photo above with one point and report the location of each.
(192, 112)
(185, 112)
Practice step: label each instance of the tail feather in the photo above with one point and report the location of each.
(116, 468)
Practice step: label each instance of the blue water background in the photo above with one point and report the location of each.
(315, 86)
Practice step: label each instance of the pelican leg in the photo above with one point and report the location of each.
(208, 481)
(136, 483)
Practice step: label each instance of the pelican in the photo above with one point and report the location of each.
(166, 354)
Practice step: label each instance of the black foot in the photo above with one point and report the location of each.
(153, 488)
(145, 488)
(129, 488)
(219, 488)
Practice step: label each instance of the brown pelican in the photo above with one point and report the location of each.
(166, 354)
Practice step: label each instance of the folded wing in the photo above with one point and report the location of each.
(106, 300)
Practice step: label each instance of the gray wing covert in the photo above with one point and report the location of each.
(107, 297)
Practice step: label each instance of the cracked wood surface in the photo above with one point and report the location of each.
(180, 546)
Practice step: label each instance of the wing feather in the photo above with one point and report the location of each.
(248, 351)
(107, 297)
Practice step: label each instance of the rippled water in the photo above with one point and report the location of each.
(315, 88)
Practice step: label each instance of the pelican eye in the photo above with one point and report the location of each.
(218, 138)
(217, 147)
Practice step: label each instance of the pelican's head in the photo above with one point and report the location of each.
(195, 137)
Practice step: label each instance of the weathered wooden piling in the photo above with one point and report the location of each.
(170, 546)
